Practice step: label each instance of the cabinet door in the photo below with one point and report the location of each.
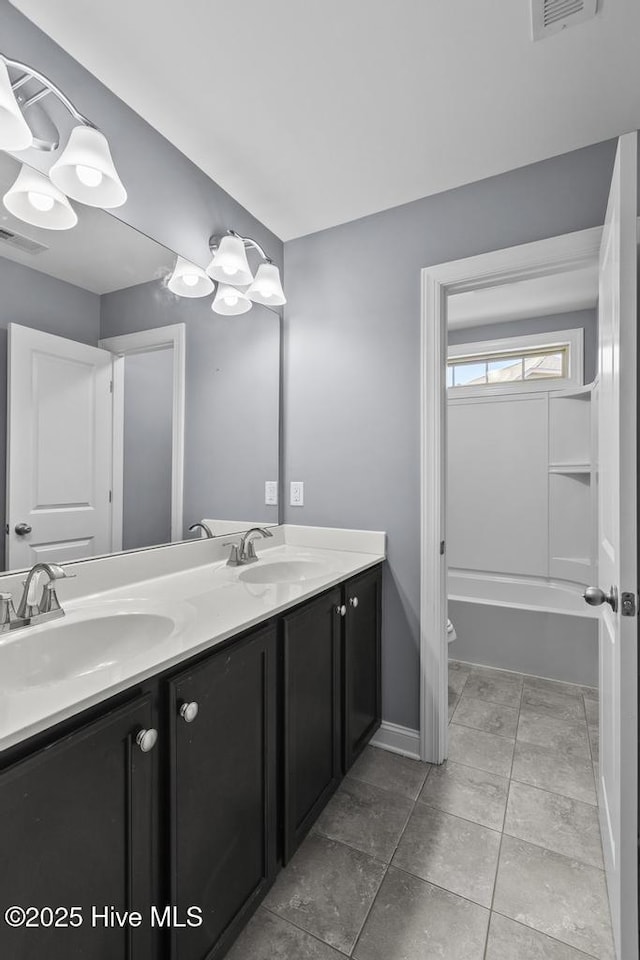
(362, 688)
(76, 825)
(223, 790)
(312, 713)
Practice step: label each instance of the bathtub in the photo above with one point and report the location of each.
(532, 626)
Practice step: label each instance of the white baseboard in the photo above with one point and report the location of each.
(397, 739)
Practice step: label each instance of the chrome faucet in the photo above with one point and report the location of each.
(47, 608)
(205, 526)
(245, 552)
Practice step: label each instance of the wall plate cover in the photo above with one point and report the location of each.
(271, 493)
(296, 493)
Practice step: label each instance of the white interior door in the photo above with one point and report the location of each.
(617, 546)
(59, 449)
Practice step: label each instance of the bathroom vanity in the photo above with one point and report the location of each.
(192, 785)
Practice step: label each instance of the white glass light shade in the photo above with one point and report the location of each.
(14, 130)
(230, 264)
(188, 280)
(267, 288)
(229, 301)
(85, 170)
(34, 199)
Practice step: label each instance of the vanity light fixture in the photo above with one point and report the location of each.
(230, 268)
(34, 199)
(189, 280)
(84, 170)
(230, 301)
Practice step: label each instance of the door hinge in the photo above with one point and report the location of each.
(442, 548)
(109, 496)
(628, 605)
(110, 386)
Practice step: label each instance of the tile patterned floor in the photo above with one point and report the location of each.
(494, 855)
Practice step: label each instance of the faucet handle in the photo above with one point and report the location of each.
(7, 611)
(49, 602)
(234, 556)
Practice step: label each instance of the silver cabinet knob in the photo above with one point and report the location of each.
(189, 711)
(147, 739)
(22, 529)
(353, 601)
(595, 597)
(341, 610)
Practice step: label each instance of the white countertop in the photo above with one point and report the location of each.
(209, 603)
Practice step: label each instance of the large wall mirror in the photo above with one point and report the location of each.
(131, 413)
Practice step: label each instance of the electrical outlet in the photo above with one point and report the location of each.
(296, 493)
(271, 493)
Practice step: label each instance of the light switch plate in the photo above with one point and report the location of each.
(271, 493)
(296, 493)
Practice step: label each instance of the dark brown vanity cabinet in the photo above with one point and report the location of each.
(362, 690)
(311, 700)
(77, 830)
(252, 737)
(222, 777)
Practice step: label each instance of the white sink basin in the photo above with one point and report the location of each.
(284, 571)
(74, 647)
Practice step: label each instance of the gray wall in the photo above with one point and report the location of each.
(148, 414)
(587, 320)
(352, 362)
(36, 300)
(231, 402)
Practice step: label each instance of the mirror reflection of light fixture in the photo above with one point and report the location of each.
(267, 288)
(84, 170)
(14, 129)
(35, 200)
(229, 301)
(230, 264)
(189, 280)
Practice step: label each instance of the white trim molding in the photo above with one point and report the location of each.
(397, 739)
(172, 337)
(574, 251)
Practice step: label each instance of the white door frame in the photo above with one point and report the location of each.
(571, 251)
(144, 341)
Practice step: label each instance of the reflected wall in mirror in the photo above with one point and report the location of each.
(132, 413)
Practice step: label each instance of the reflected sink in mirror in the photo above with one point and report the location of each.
(75, 647)
(284, 571)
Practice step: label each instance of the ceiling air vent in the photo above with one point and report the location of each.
(18, 242)
(552, 16)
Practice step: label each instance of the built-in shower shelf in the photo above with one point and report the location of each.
(571, 469)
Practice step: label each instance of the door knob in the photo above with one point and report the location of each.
(595, 597)
(22, 529)
(189, 711)
(147, 739)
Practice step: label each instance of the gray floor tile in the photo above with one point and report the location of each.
(467, 792)
(453, 703)
(413, 920)
(390, 771)
(557, 770)
(455, 854)
(556, 895)
(268, 937)
(594, 741)
(327, 889)
(553, 686)
(490, 717)
(365, 817)
(558, 823)
(475, 748)
(551, 703)
(513, 941)
(496, 686)
(567, 735)
(592, 710)
(591, 693)
(458, 675)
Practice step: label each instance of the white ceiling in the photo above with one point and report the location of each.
(313, 114)
(539, 297)
(99, 254)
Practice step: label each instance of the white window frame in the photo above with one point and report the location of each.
(573, 339)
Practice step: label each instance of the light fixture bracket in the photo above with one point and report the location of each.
(249, 243)
(27, 74)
